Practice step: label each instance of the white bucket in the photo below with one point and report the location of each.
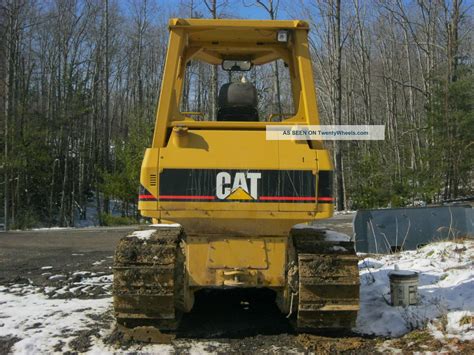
(403, 287)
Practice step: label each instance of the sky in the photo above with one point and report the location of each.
(239, 8)
(256, 12)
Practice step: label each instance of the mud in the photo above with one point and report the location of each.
(158, 249)
(336, 345)
(82, 341)
(6, 343)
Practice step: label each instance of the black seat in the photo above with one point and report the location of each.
(237, 102)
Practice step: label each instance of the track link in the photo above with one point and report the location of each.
(327, 282)
(147, 279)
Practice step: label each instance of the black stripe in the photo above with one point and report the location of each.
(273, 183)
(325, 185)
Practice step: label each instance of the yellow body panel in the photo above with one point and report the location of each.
(207, 149)
(218, 179)
(225, 261)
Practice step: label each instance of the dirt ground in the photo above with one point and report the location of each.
(235, 321)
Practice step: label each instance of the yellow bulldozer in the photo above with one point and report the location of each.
(224, 199)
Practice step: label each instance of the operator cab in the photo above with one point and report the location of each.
(243, 84)
(206, 85)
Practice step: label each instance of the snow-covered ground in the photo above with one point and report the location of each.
(43, 324)
(446, 292)
(46, 320)
(42, 321)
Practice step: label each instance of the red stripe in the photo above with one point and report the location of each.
(263, 198)
(326, 199)
(146, 197)
(290, 198)
(287, 198)
(186, 197)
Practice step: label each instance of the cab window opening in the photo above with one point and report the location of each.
(249, 95)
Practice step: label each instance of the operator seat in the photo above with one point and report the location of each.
(237, 102)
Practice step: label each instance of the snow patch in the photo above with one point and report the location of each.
(144, 235)
(329, 235)
(46, 326)
(83, 273)
(164, 225)
(461, 324)
(370, 263)
(41, 323)
(333, 236)
(345, 212)
(446, 286)
(338, 248)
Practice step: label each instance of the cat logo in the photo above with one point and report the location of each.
(242, 186)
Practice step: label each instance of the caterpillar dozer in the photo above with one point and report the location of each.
(224, 199)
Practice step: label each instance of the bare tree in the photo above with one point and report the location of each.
(212, 6)
(271, 8)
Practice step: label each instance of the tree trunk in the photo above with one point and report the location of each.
(214, 74)
(338, 107)
(106, 120)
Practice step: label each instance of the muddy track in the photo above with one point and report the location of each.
(145, 279)
(327, 295)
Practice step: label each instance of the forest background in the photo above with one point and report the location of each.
(80, 80)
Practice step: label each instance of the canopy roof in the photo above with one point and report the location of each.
(212, 41)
